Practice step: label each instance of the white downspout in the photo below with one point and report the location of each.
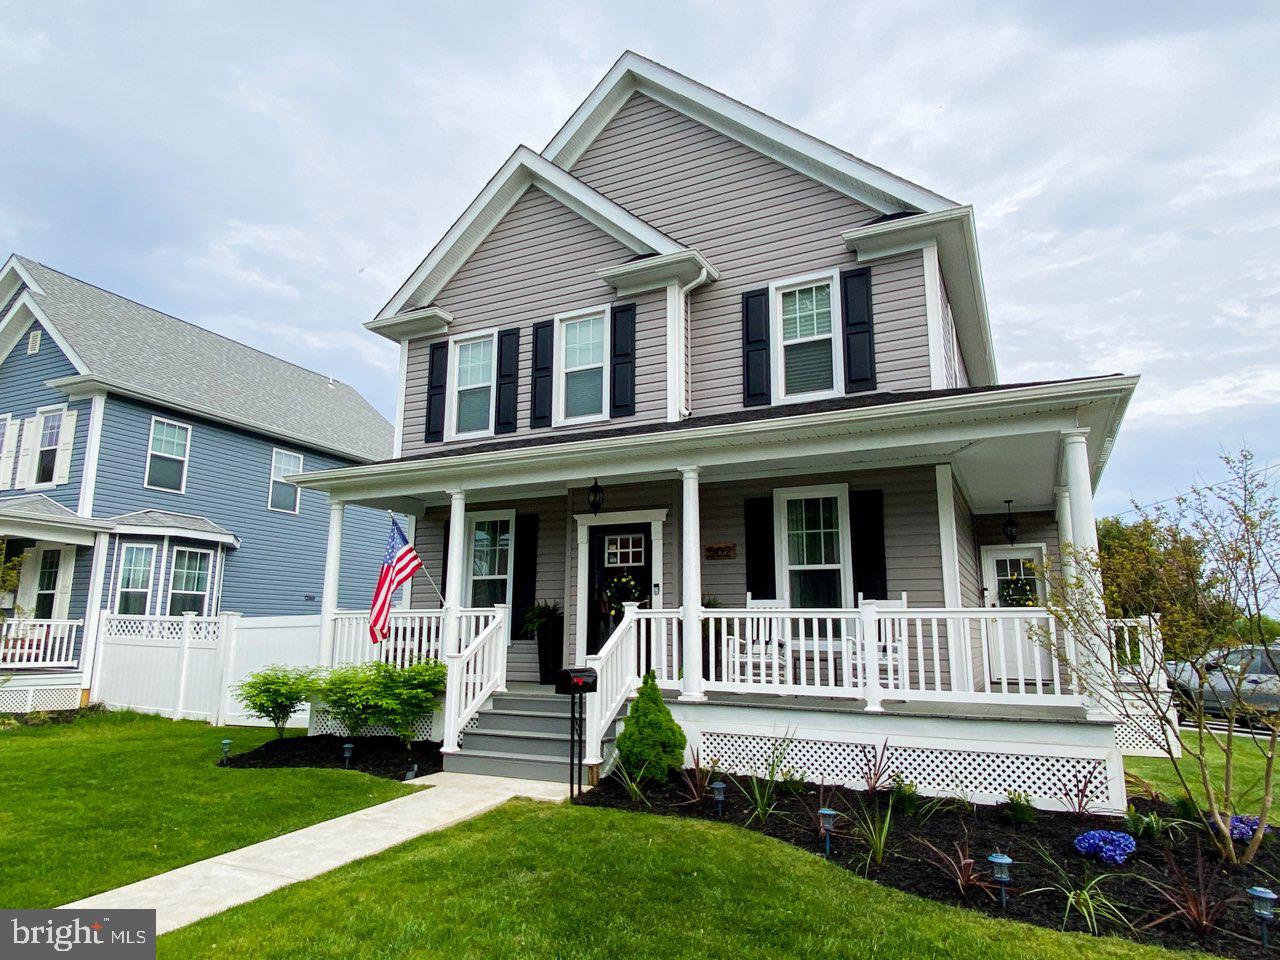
(685, 338)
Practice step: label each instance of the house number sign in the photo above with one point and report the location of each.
(720, 551)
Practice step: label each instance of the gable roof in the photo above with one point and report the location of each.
(522, 170)
(123, 347)
(841, 171)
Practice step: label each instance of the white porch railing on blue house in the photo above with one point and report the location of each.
(27, 644)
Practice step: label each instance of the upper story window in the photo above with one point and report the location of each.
(167, 455)
(807, 360)
(33, 342)
(48, 434)
(474, 372)
(284, 496)
(582, 348)
(189, 583)
(136, 563)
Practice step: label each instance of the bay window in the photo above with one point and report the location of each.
(189, 582)
(134, 593)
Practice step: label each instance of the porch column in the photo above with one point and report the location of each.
(93, 612)
(691, 586)
(1075, 455)
(1084, 538)
(1062, 507)
(332, 569)
(453, 600)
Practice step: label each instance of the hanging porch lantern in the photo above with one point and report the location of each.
(1010, 527)
(595, 497)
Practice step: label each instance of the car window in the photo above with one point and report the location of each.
(1235, 659)
(1265, 664)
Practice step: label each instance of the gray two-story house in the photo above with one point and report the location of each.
(143, 475)
(728, 395)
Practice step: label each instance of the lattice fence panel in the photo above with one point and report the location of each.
(940, 771)
(322, 722)
(26, 700)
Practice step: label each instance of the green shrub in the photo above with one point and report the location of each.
(352, 695)
(1019, 808)
(406, 695)
(274, 693)
(905, 795)
(651, 744)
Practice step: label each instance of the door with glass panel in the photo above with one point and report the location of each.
(1014, 577)
(490, 538)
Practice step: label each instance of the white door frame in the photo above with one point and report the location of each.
(990, 554)
(655, 519)
(469, 558)
(997, 670)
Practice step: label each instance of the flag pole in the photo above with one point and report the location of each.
(430, 579)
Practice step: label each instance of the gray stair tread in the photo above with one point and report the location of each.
(504, 755)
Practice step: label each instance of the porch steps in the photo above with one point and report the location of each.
(521, 734)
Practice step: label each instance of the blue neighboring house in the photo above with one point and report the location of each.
(144, 466)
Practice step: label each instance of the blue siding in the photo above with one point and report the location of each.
(80, 583)
(279, 567)
(23, 391)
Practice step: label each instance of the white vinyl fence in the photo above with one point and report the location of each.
(185, 667)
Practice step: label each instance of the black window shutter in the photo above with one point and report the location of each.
(762, 584)
(504, 414)
(437, 385)
(859, 343)
(866, 513)
(543, 364)
(622, 361)
(524, 568)
(755, 349)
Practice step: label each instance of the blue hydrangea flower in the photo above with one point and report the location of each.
(1110, 846)
(1242, 827)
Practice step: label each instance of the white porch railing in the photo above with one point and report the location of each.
(1137, 648)
(415, 635)
(477, 671)
(39, 644)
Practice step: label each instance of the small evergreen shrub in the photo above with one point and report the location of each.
(405, 695)
(651, 744)
(352, 695)
(274, 693)
(1019, 808)
(905, 795)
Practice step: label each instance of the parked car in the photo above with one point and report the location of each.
(1246, 675)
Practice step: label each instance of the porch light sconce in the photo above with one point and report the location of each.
(347, 749)
(226, 751)
(595, 497)
(717, 791)
(827, 821)
(1010, 528)
(1000, 870)
(1264, 908)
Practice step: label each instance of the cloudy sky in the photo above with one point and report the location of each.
(274, 171)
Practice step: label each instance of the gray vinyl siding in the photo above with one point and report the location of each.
(23, 390)
(1034, 527)
(913, 550)
(967, 553)
(539, 261)
(756, 221)
(278, 569)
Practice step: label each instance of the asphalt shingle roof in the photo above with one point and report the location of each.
(36, 506)
(126, 343)
(175, 521)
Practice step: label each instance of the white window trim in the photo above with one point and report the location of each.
(208, 582)
(451, 386)
(43, 549)
(271, 481)
(776, 357)
(1038, 552)
(41, 413)
(151, 575)
(480, 516)
(558, 419)
(186, 460)
(782, 565)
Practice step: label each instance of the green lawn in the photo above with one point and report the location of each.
(115, 797)
(1248, 769)
(533, 880)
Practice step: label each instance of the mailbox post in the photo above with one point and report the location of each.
(576, 682)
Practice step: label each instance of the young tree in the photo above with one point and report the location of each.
(1203, 572)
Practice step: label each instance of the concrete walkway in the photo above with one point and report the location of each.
(199, 890)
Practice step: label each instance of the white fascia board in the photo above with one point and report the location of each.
(13, 326)
(956, 237)
(13, 268)
(427, 321)
(847, 174)
(180, 533)
(651, 273)
(913, 415)
(523, 169)
(78, 387)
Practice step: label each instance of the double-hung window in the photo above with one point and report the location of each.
(805, 323)
(47, 583)
(582, 352)
(474, 373)
(167, 454)
(812, 545)
(284, 496)
(134, 593)
(189, 583)
(48, 435)
(490, 568)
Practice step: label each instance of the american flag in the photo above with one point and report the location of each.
(399, 563)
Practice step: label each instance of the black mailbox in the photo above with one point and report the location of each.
(576, 680)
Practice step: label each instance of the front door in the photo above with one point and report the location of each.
(1014, 577)
(619, 570)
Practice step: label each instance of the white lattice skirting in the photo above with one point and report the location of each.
(431, 728)
(32, 699)
(1139, 733)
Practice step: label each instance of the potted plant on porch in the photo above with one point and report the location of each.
(544, 623)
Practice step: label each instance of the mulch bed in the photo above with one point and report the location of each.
(380, 756)
(983, 830)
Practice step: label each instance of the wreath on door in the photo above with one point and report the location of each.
(621, 589)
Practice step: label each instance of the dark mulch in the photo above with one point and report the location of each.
(983, 830)
(380, 756)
